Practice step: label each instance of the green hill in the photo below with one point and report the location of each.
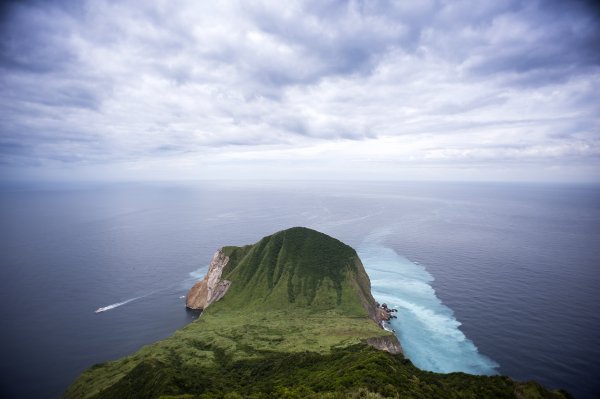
(296, 322)
(296, 269)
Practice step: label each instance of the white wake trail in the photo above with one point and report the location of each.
(116, 305)
(187, 283)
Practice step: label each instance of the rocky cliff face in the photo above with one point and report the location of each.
(211, 288)
(389, 344)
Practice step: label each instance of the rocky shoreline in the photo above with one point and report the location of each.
(384, 314)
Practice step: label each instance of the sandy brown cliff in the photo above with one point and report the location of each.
(211, 288)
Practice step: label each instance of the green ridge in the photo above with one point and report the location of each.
(293, 324)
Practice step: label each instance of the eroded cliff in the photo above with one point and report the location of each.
(212, 287)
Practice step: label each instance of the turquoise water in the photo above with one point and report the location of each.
(427, 329)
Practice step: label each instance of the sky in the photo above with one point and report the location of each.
(335, 90)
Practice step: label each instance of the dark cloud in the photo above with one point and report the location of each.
(552, 41)
(345, 37)
(33, 35)
(13, 148)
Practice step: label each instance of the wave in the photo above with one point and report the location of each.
(427, 329)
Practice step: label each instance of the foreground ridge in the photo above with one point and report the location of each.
(288, 317)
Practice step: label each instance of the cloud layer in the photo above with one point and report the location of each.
(406, 90)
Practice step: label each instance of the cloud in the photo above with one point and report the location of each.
(107, 84)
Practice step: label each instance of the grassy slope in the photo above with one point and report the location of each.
(293, 323)
(297, 268)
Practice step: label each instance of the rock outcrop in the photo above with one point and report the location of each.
(383, 313)
(211, 288)
(389, 344)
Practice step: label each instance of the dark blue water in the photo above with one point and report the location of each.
(514, 269)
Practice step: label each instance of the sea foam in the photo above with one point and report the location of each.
(427, 329)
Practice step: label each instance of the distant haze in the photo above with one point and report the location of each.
(407, 90)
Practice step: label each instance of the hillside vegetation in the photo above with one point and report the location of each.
(293, 324)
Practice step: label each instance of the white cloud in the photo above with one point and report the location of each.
(128, 90)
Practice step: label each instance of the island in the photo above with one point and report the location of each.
(291, 316)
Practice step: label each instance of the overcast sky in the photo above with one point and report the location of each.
(406, 90)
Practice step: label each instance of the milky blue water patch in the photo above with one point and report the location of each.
(194, 276)
(427, 329)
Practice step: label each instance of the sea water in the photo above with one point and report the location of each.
(427, 329)
(486, 278)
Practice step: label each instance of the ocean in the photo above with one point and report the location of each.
(487, 278)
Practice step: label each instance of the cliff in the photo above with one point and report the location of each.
(291, 316)
(389, 344)
(211, 288)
